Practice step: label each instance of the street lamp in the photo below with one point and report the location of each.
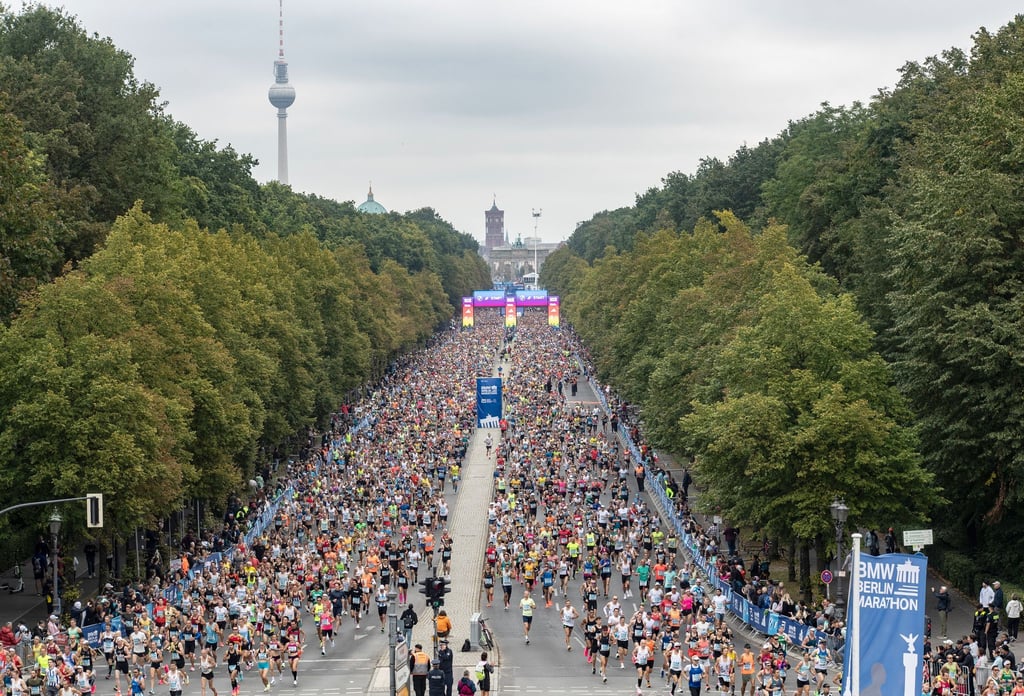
(55, 521)
(839, 513)
(536, 242)
(392, 641)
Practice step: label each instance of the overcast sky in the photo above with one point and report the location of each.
(569, 106)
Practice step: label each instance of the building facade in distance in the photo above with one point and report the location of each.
(510, 262)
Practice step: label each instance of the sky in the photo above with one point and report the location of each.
(568, 107)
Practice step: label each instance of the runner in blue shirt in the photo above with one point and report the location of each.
(694, 676)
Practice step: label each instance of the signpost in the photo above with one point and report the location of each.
(826, 577)
(402, 668)
(917, 539)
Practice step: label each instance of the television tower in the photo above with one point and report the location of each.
(282, 95)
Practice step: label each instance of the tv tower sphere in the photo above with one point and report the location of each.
(282, 96)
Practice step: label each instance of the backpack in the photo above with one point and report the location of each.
(467, 646)
(466, 687)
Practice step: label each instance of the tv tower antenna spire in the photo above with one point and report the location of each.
(282, 95)
(280, 29)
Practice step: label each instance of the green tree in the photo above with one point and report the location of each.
(806, 413)
(217, 188)
(562, 271)
(74, 407)
(956, 280)
(100, 130)
(30, 227)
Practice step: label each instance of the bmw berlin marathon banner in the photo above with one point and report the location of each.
(488, 402)
(885, 627)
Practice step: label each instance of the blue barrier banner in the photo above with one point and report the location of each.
(488, 402)
(760, 619)
(92, 632)
(740, 607)
(886, 622)
(173, 594)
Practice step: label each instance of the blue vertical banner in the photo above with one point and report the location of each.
(885, 631)
(488, 402)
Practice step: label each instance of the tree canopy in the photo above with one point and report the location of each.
(910, 204)
(166, 318)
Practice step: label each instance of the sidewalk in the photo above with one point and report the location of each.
(27, 607)
(467, 525)
(960, 621)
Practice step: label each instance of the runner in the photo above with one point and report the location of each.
(156, 664)
(263, 664)
(694, 676)
(207, 664)
(527, 606)
(642, 660)
(122, 660)
(175, 679)
(233, 659)
(569, 616)
(293, 649)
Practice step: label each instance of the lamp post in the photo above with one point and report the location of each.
(839, 513)
(392, 640)
(536, 242)
(55, 521)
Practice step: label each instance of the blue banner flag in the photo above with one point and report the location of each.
(885, 631)
(488, 402)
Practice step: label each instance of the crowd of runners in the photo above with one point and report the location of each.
(568, 532)
(368, 513)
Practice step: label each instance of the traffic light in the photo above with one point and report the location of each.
(94, 510)
(428, 586)
(437, 590)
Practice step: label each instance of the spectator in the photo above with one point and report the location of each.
(873, 543)
(986, 595)
(943, 605)
(1013, 610)
(435, 679)
(466, 685)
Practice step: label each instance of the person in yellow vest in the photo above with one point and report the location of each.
(419, 665)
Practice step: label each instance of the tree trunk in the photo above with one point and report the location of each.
(101, 561)
(791, 560)
(805, 570)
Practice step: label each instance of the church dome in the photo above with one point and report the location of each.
(371, 206)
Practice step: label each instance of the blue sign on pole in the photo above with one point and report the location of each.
(488, 402)
(885, 633)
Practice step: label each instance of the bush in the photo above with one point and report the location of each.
(961, 571)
